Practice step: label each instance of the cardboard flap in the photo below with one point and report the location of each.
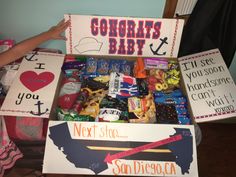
(123, 36)
(33, 89)
(209, 86)
(120, 149)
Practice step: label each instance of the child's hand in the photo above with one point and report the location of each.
(55, 32)
(22, 48)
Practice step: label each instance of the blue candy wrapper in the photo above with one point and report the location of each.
(102, 67)
(127, 67)
(171, 100)
(181, 109)
(184, 119)
(174, 93)
(91, 67)
(114, 66)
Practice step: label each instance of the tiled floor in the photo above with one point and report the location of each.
(216, 154)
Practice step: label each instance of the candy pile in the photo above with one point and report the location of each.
(144, 90)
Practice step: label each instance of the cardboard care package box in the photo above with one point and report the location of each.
(124, 103)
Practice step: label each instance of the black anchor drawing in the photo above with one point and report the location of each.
(31, 57)
(39, 113)
(155, 52)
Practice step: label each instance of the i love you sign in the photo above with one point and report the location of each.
(33, 90)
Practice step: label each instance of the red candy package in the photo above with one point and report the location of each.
(69, 92)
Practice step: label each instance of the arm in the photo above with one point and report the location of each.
(22, 48)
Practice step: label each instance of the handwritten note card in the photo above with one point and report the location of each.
(33, 90)
(209, 85)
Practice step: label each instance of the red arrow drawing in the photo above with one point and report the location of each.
(109, 158)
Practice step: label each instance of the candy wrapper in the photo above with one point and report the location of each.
(174, 93)
(69, 92)
(166, 114)
(74, 69)
(96, 83)
(72, 58)
(113, 110)
(171, 107)
(103, 67)
(115, 66)
(184, 120)
(73, 65)
(157, 80)
(91, 107)
(156, 63)
(142, 110)
(72, 116)
(122, 86)
(139, 68)
(171, 100)
(91, 67)
(142, 86)
(164, 78)
(173, 74)
(127, 67)
(81, 100)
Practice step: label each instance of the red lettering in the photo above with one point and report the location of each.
(148, 26)
(94, 26)
(112, 46)
(140, 30)
(103, 27)
(113, 28)
(140, 43)
(122, 28)
(130, 29)
(125, 28)
(130, 46)
(156, 33)
(122, 47)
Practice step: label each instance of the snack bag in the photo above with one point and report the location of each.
(113, 110)
(122, 86)
(68, 93)
(103, 67)
(114, 66)
(91, 67)
(142, 109)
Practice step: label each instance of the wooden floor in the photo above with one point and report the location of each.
(216, 154)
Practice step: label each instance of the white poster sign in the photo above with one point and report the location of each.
(123, 36)
(209, 85)
(117, 149)
(33, 90)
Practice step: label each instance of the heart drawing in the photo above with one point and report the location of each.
(33, 81)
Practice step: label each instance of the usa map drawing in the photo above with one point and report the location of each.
(77, 151)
